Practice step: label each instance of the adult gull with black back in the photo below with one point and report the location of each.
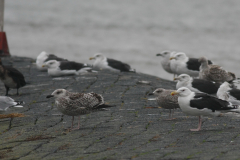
(63, 68)
(201, 104)
(44, 57)
(184, 64)
(196, 85)
(102, 62)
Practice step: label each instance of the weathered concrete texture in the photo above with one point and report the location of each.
(134, 129)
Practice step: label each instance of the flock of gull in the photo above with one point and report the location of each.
(202, 89)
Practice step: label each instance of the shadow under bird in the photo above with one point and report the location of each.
(11, 77)
(76, 104)
(201, 104)
(6, 102)
(44, 57)
(102, 62)
(166, 101)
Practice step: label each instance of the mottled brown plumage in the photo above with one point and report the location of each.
(214, 72)
(76, 104)
(166, 100)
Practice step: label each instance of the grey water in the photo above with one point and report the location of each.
(130, 31)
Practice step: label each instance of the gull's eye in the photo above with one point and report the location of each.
(58, 92)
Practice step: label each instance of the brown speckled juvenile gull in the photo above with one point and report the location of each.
(214, 72)
(76, 104)
(165, 100)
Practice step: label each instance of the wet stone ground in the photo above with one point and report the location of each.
(134, 129)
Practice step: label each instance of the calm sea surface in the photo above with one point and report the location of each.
(130, 31)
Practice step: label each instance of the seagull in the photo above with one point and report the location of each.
(214, 72)
(165, 100)
(76, 104)
(102, 62)
(184, 64)
(226, 92)
(165, 60)
(11, 77)
(44, 57)
(6, 102)
(196, 85)
(63, 68)
(201, 104)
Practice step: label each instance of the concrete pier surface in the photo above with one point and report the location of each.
(134, 129)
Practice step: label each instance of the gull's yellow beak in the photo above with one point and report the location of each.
(174, 93)
(43, 65)
(172, 58)
(91, 58)
(175, 78)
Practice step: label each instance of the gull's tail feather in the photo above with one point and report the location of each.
(19, 104)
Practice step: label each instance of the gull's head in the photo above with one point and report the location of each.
(164, 54)
(182, 78)
(226, 86)
(182, 92)
(51, 64)
(178, 56)
(43, 55)
(158, 91)
(97, 56)
(202, 59)
(58, 93)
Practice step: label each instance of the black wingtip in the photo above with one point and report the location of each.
(20, 102)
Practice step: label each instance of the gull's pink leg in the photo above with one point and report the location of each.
(78, 124)
(170, 116)
(199, 124)
(72, 122)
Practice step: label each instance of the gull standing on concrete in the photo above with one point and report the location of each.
(185, 65)
(63, 68)
(201, 104)
(214, 72)
(76, 104)
(102, 62)
(196, 85)
(44, 57)
(166, 101)
(6, 102)
(11, 77)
